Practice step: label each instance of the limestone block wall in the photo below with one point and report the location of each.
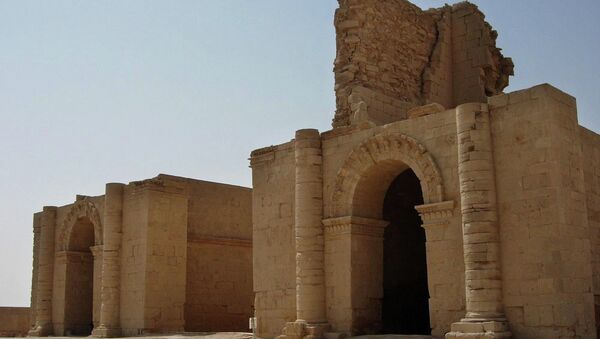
(14, 321)
(412, 57)
(437, 133)
(219, 295)
(219, 210)
(166, 257)
(133, 259)
(274, 252)
(591, 164)
(543, 217)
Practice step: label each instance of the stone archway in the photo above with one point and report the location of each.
(79, 270)
(81, 209)
(373, 165)
(357, 207)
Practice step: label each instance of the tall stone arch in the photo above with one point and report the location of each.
(371, 167)
(80, 209)
(78, 272)
(354, 231)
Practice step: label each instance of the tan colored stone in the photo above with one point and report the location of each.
(162, 255)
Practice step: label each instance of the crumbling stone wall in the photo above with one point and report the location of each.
(392, 56)
(479, 68)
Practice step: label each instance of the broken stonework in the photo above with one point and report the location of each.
(392, 56)
(448, 208)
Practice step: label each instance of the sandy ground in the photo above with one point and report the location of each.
(219, 335)
(242, 335)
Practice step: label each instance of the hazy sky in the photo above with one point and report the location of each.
(116, 91)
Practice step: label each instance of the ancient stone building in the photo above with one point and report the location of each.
(437, 204)
(162, 255)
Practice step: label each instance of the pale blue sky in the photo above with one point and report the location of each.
(103, 91)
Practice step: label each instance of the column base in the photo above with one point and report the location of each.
(479, 329)
(41, 331)
(106, 332)
(300, 329)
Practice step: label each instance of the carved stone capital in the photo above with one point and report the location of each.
(96, 250)
(436, 214)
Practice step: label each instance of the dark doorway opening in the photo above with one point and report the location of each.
(405, 305)
(79, 285)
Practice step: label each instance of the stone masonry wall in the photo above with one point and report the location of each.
(14, 321)
(545, 238)
(406, 57)
(133, 259)
(219, 295)
(218, 210)
(274, 254)
(591, 166)
(166, 260)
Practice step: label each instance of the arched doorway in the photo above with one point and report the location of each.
(79, 282)
(385, 164)
(405, 303)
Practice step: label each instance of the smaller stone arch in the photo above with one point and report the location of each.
(371, 167)
(80, 209)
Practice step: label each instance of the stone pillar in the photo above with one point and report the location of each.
(43, 314)
(110, 315)
(97, 254)
(354, 271)
(34, 271)
(481, 240)
(308, 214)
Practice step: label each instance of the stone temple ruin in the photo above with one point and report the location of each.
(437, 205)
(167, 254)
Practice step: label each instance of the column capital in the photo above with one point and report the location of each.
(436, 214)
(97, 250)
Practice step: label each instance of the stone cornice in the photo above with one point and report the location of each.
(221, 241)
(437, 213)
(72, 254)
(355, 226)
(266, 154)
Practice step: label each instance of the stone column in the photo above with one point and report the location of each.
(34, 271)
(97, 254)
(481, 239)
(354, 270)
(308, 213)
(43, 314)
(110, 315)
